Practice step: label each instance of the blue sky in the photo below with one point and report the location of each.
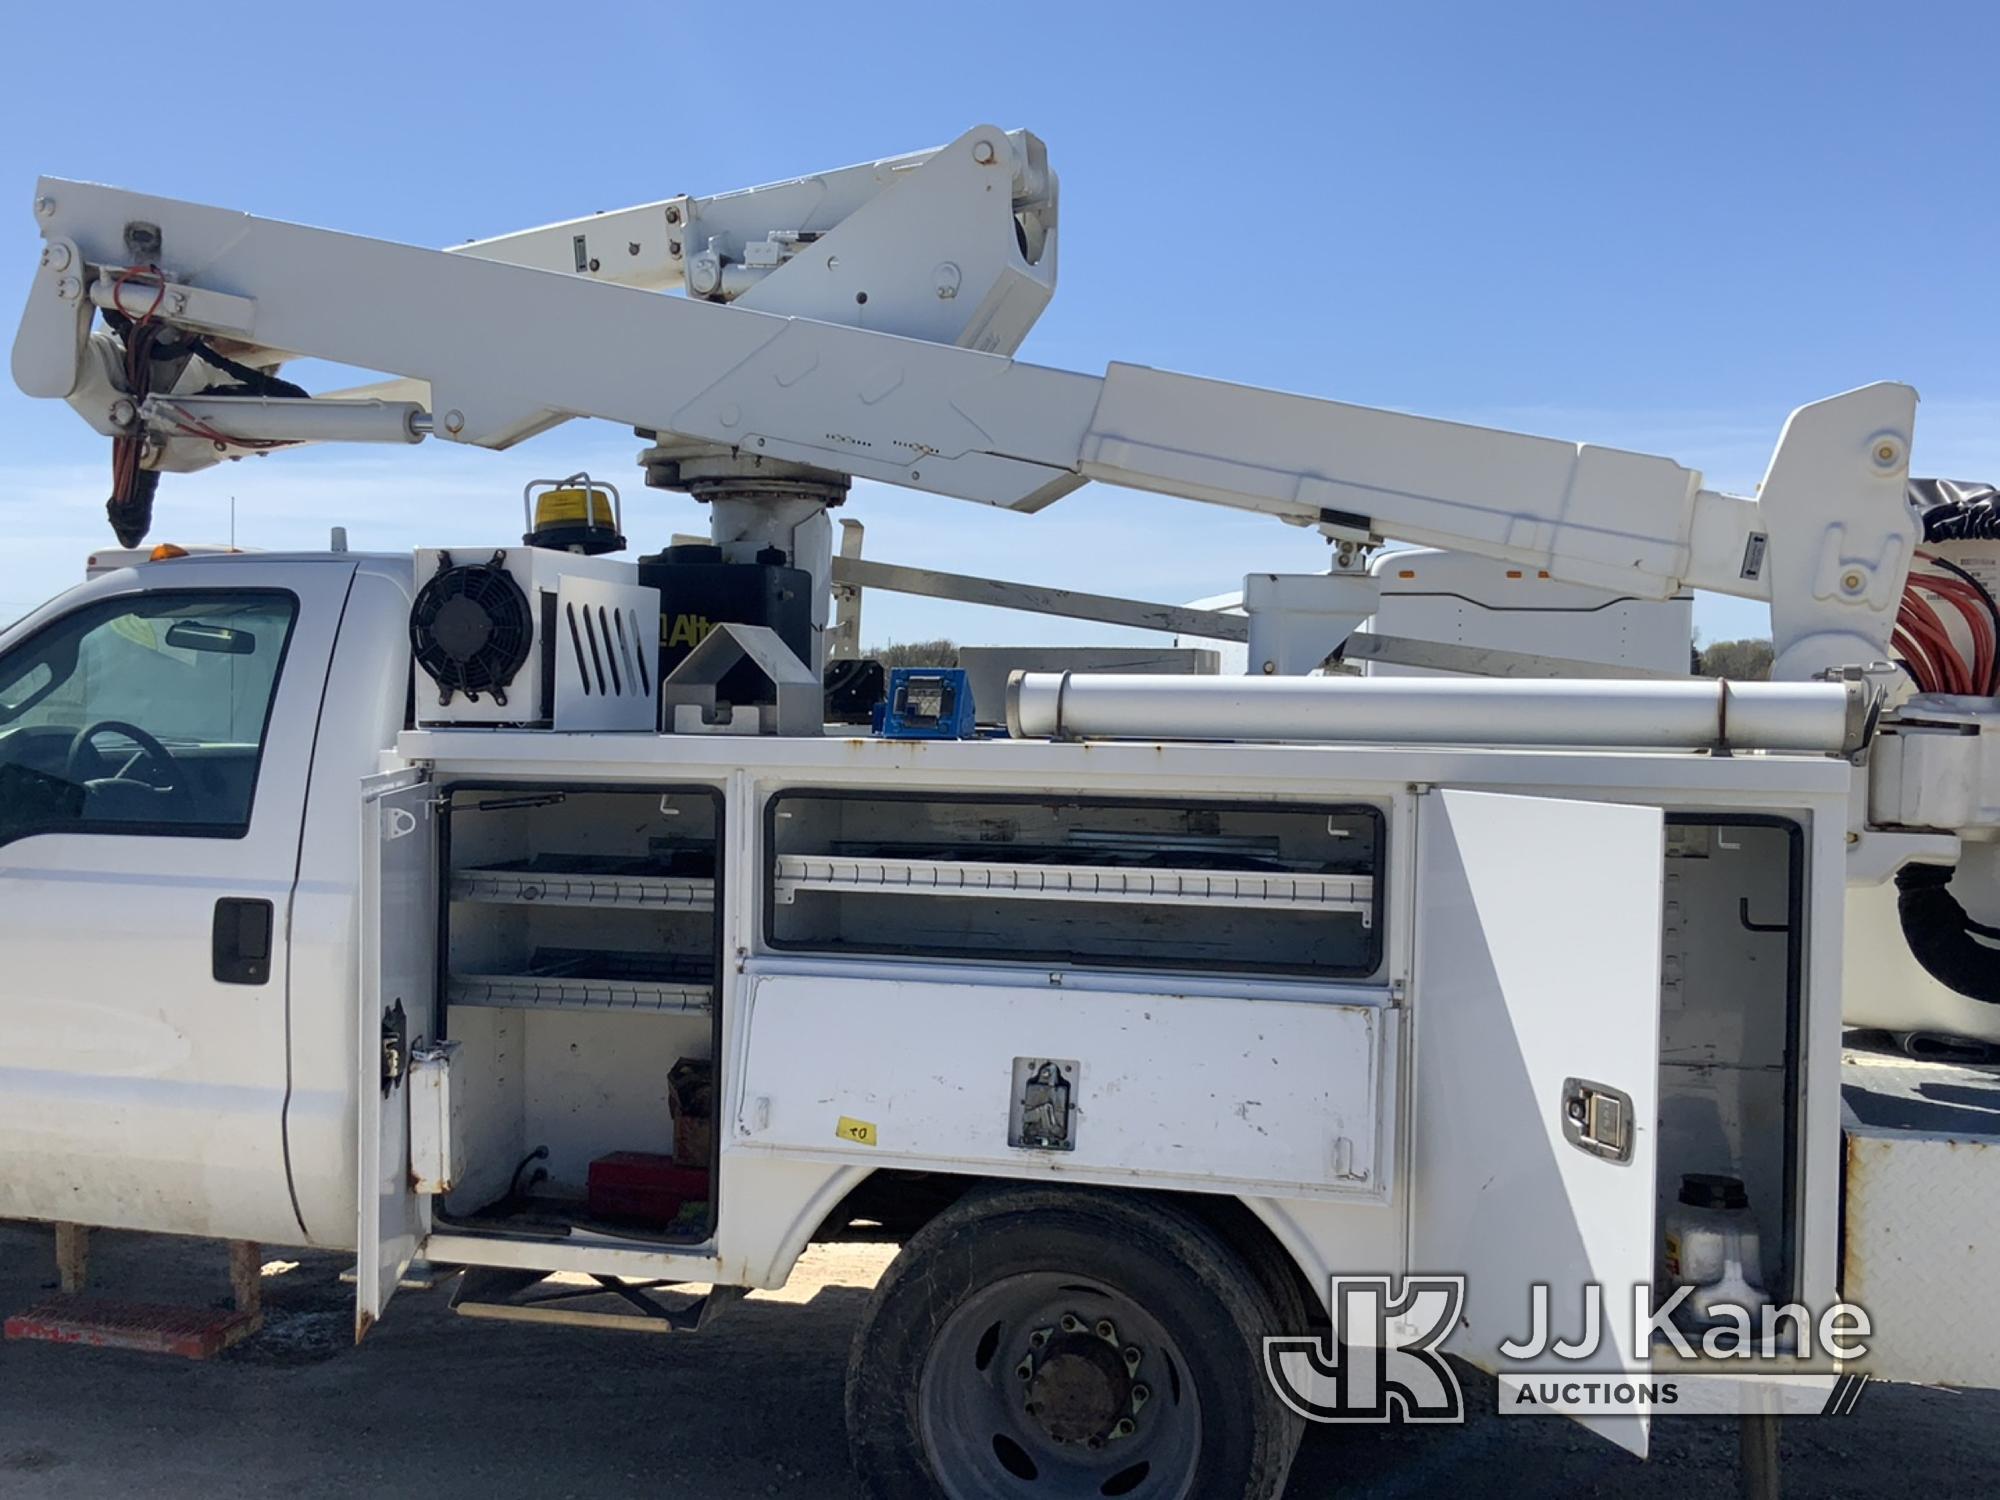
(1660, 227)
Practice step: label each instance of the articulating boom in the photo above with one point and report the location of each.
(861, 323)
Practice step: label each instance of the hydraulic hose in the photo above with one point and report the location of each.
(1943, 938)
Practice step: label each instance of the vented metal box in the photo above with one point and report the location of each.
(592, 635)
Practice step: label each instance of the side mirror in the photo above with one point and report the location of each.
(192, 635)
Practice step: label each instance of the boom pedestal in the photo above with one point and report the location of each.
(760, 513)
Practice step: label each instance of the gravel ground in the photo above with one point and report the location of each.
(451, 1407)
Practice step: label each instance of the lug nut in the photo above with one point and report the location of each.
(1038, 1338)
(1140, 1396)
(1125, 1428)
(1071, 1323)
(1025, 1369)
(1132, 1356)
(1106, 1330)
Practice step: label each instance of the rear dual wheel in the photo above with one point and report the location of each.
(1036, 1342)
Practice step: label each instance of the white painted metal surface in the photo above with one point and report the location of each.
(1885, 987)
(135, 1090)
(1479, 603)
(1692, 714)
(877, 223)
(1298, 620)
(398, 986)
(1417, 648)
(1922, 1189)
(596, 1081)
(1538, 962)
(1833, 497)
(1938, 766)
(437, 1136)
(608, 677)
(366, 696)
(1286, 1097)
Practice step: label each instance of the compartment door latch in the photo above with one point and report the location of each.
(395, 1047)
(1597, 1118)
(1043, 1117)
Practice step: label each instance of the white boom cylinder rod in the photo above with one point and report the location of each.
(288, 419)
(1825, 717)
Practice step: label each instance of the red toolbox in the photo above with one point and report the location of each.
(643, 1187)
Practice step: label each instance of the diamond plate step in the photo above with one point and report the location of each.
(148, 1327)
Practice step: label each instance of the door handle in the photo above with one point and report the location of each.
(240, 944)
(1597, 1119)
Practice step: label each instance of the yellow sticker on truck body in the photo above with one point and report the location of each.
(860, 1132)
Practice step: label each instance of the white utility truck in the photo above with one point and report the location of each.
(588, 948)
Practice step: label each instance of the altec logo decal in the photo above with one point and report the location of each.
(1380, 1361)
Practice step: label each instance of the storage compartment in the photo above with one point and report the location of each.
(577, 971)
(1269, 1088)
(1730, 1000)
(1220, 886)
(1263, 1062)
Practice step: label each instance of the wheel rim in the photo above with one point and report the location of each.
(1045, 1385)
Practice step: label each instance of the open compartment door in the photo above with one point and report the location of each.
(1538, 1001)
(399, 913)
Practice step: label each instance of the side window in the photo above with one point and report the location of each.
(1261, 887)
(145, 713)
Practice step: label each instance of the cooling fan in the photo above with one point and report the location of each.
(470, 628)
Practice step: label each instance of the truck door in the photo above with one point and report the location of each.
(155, 743)
(399, 916)
(1536, 1002)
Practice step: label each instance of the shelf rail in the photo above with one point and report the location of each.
(1258, 889)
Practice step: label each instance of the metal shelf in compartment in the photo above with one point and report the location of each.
(563, 979)
(1262, 890)
(606, 885)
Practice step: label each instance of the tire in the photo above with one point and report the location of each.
(1014, 1348)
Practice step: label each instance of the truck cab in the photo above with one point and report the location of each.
(179, 747)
